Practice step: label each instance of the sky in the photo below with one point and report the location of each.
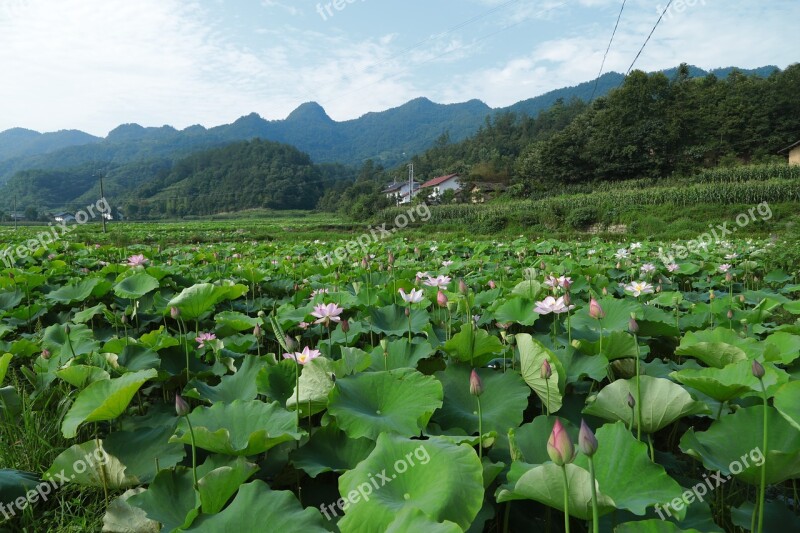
(95, 64)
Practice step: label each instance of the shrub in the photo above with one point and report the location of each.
(581, 218)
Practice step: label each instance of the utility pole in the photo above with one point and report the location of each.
(103, 197)
(410, 182)
(14, 213)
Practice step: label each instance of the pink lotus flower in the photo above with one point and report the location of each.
(203, 338)
(326, 314)
(724, 268)
(137, 260)
(440, 282)
(551, 305)
(317, 292)
(554, 282)
(559, 445)
(672, 267)
(304, 357)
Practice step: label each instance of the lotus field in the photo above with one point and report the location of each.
(426, 386)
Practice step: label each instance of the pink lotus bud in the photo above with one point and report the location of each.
(631, 401)
(547, 371)
(728, 277)
(595, 311)
(758, 369)
(462, 287)
(45, 354)
(633, 326)
(587, 442)
(257, 331)
(181, 407)
(567, 299)
(475, 384)
(174, 312)
(492, 284)
(605, 291)
(441, 299)
(559, 446)
(364, 263)
(730, 314)
(408, 311)
(345, 325)
(390, 258)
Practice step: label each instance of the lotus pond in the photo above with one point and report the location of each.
(428, 386)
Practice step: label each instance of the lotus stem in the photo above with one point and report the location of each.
(595, 514)
(194, 453)
(566, 498)
(480, 429)
(638, 391)
(763, 484)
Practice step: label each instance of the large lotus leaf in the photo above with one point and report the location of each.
(239, 428)
(788, 346)
(778, 516)
(135, 286)
(134, 357)
(616, 345)
(240, 386)
(355, 360)
(441, 479)
(527, 289)
(517, 310)
(88, 464)
(504, 399)
(121, 517)
(730, 382)
(81, 341)
(532, 354)
(81, 317)
(578, 365)
(198, 299)
(144, 448)
(734, 442)
(257, 508)
(10, 299)
(73, 293)
(787, 402)
(398, 354)
(413, 519)
(545, 484)
(618, 315)
(170, 499)
(531, 440)
(718, 347)
(392, 320)
(220, 478)
(316, 383)
(103, 400)
(653, 525)
(277, 382)
(80, 376)
(476, 347)
(623, 467)
(15, 483)
(396, 401)
(331, 450)
(663, 402)
(236, 321)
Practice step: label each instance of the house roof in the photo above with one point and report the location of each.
(438, 181)
(791, 146)
(393, 187)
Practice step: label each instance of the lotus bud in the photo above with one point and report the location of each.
(345, 326)
(492, 284)
(587, 442)
(181, 407)
(567, 299)
(631, 401)
(261, 314)
(758, 369)
(576, 344)
(546, 371)
(124, 319)
(441, 299)
(728, 277)
(364, 263)
(416, 250)
(559, 446)
(174, 312)
(595, 311)
(408, 312)
(67, 329)
(605, 291)
(711, 295)
(618, 265)
(542, 266)
(257, 331)
(390, 259)
(730, 314)
(741, 298)
(462, 287)
(633, 326)
(475, 384)
(45, 354)
(385, 346)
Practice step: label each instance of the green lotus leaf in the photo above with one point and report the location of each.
(504, 399)
(10, 299)
(170, 499)
(103, 400)
(777, 516)
(239, 386)
(316, 383)
(330, 450)
(531, 440)
(545, 484)
(199, 299)
(277, 382)
(236, 321)
(90, 465)
(663, 402)
(136, 285)
(257, 508)
(220, 478)
(731, 381)
(579, 365)
(143, 449)
(616, 345)
(81, 317)
(396, 401)
(732, 446)
(239, 428)
(653, 525)
(718, 348)
(398, 354)
(73, 293)
(121, 517)
(623, 467)
(788, 346)
(517, 310)
(532, 354)
(134, 357)
(618, 314)
(442, 480)
(528, 289)
(786, 402)
(478, 351)
(81, 341)
(392, 320)
(15, 484)
(5, 359)
(413, 519)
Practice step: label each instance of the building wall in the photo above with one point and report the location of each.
(794, 156)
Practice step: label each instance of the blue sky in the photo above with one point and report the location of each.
(94, 64)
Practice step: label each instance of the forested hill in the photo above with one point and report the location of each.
(653, 126)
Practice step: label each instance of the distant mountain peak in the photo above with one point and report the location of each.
(309, 111)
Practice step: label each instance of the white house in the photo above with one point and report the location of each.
(64, 217)
(437, 186)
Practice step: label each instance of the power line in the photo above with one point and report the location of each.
(603, 64)
(648, 39)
